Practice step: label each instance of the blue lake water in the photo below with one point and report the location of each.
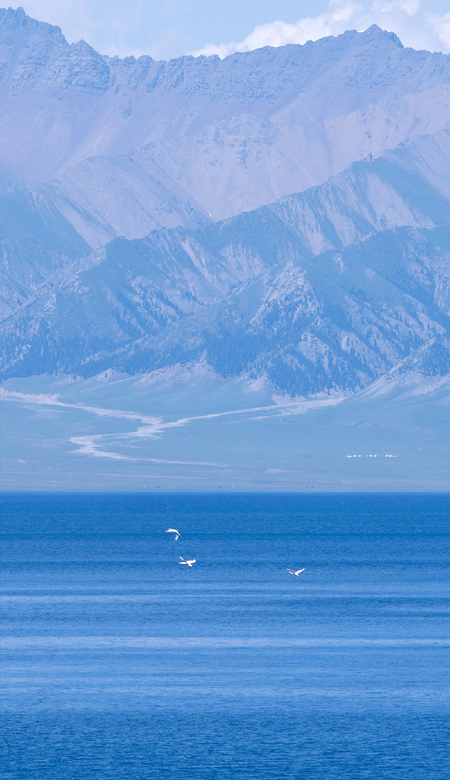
(120, 663)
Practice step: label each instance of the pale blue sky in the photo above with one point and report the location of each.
(169, 28)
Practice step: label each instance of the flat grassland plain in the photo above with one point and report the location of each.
(188, 429)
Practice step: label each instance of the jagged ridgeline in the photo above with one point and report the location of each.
(283, 212)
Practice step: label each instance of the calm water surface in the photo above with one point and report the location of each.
(120, 663)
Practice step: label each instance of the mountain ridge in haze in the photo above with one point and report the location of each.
(324, 290)
(282, 212)
(235, 133)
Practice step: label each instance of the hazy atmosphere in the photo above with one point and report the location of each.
(225, 390)
(226, 274)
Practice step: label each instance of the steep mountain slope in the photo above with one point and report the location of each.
(324, 290)
(104, 198)
(35, 240)
(405, 187)
(283, 213)
(409, 186)
(229, 135)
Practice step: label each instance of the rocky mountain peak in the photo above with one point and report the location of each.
(283, 212)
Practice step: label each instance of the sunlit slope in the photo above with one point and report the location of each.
(324, 290)
(229, 135)
(35, 240)
(282, 214)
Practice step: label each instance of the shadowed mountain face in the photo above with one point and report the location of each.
(283, 213)
(325, 290)
(333, 322)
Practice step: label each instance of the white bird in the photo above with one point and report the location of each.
(173, 531)
(187, 563)
(295, 573)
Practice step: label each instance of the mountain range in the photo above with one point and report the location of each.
(279, 216)
(322, 290)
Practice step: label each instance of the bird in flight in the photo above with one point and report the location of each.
(187, 563)
(295, 573)
(173, 531)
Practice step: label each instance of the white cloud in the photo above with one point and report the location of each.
(440, 23)
(414, 26)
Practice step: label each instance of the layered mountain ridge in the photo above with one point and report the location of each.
(236, 133)
(327, 289)
(283, 213)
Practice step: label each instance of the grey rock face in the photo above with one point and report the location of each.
(234, 134)
(282, 213)
(325, 290)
